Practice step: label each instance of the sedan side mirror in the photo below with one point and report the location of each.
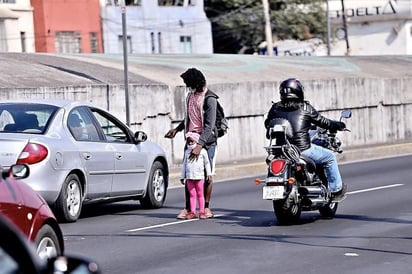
(16, 171)
(140, 136)
(72, 264)
(20, 171)
(18, 255)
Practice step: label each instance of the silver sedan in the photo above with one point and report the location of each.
(79, 154)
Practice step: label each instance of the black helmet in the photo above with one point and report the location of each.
(291, 89)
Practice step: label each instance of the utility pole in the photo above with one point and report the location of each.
(268, 29)
(345, 27)
(126, 80)
(328, 26)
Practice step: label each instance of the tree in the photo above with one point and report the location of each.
(238, 25)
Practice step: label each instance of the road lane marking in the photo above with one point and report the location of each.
(167, 224)
(374, 188)
(220, 215)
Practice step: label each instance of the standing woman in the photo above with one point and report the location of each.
(200, 117)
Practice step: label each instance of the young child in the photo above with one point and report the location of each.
(193, 171)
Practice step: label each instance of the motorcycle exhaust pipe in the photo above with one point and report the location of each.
(310, 191)
(315, 202)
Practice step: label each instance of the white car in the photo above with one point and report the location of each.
(80, 154)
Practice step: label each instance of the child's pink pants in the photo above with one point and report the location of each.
(195, 188)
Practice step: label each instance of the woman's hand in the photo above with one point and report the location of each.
(194, 155)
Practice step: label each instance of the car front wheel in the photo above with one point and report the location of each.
(156, 187)
(69, 204)
(46, 243)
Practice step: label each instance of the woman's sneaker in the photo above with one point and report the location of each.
(202, 216)
(208, 213)
(182, 214)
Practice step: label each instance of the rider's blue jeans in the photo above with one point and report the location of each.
(327, 157)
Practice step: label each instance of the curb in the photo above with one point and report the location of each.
(257, 167)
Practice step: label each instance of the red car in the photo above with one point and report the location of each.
(29, 212)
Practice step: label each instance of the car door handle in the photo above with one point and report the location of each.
(87, 156)
(119, 156)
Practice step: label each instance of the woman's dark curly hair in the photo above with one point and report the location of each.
(193, 78)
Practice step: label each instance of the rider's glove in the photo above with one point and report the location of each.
(339, 125)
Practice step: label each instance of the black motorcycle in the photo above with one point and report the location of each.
(295, 183)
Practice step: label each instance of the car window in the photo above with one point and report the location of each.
(25, 117)
(81, 126)
(112, 129)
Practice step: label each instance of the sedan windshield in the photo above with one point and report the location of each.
(25, 117)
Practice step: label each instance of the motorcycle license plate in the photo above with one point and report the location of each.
(273, 192)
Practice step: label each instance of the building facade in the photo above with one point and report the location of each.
(157, 26)
(374, 27)
(16, 26)
(67, 26)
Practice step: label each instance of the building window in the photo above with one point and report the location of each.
(128, 43)
(186, 44)
(3, 39)
(133, 2)
(179, 3)
(68, 42)
(127, 2)
(159, 41)
(23, 41)
(94, 44)
(152, 42)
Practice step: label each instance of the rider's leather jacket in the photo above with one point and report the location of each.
(301, 115)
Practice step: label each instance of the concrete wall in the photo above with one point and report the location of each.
(381, 110)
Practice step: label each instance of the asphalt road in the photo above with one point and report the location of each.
(372, 232)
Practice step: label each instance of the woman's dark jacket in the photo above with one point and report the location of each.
(208, 136)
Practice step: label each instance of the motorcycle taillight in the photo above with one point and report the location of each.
(277, 166)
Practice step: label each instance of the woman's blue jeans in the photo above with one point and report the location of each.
(327, 157)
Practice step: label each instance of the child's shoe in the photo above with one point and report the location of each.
(191, 215)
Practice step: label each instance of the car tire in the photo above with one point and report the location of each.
(46, 243)
(156, 187)
(69, 204)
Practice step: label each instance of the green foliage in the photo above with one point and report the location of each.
(238, 25)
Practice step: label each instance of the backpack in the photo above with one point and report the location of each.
(222, 124)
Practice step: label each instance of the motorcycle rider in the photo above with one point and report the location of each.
(301, 115)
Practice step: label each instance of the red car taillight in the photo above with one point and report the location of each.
(277, 166)
(32, 153)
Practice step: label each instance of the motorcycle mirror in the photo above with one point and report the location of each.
(346, 113)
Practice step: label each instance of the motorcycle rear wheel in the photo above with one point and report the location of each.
(329, 211)
(286, 213)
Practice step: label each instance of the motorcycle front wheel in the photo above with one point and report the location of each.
(286, 212)
(328, 211)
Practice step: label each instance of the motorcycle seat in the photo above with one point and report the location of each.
(310, 164)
